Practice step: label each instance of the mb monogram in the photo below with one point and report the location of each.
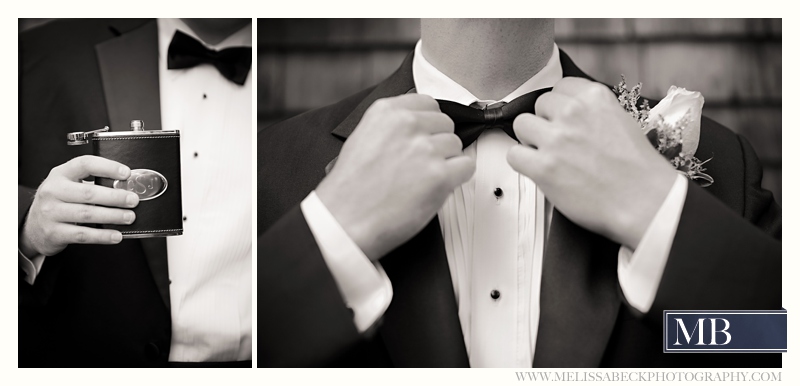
(688, 338)
(725, 331)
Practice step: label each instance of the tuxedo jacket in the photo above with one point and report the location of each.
(726, 255)
(91, 305)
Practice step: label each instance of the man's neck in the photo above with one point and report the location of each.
(213, 31)
(488, 57)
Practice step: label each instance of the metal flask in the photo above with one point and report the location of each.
(154, 158)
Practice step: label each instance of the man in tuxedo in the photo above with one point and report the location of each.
(87, 297)
(401, 227)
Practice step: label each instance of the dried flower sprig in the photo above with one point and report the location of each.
(666, 137)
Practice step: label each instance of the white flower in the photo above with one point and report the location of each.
(678, 103)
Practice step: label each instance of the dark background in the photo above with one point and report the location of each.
(735, 63)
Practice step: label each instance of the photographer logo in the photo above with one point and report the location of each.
(725, 331)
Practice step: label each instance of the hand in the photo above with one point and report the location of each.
(394, 172)
(592, 160)
(62, 201)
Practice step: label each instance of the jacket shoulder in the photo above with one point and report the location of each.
(731, 162)
(305, 130)
(293, 154)
(323, 119)
(63, 35)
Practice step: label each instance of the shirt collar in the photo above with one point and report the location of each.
(167, 28)
(430, 81)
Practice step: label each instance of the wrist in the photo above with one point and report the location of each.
(346, 210)
(24, 243)
(644, 207)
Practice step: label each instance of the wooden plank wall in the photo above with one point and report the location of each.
(735, 63)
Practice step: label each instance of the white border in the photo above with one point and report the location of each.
(411, 8)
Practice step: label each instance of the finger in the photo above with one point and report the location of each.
(81, 167)
(446, 145)
(553, 105)
(528, 161)
(459, 169)
(433, 122)
(417, 102)
(79, 193)
(76, 234)
(532, 130)
(583, 89)
(89, 214)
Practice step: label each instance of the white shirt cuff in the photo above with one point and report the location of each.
(640, 271)
(364, 286)
(31, 266)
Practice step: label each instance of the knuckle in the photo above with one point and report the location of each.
(438, 171)
(596, 90)
(428, 101)
(48, 233)
(570, 108)
(522, 120)
(454, 142)
(449, 124)
(87, 192)
(410, 118)
(569, 136)
(84, 215)
(56, 171)
(519, 128)
(80, 237)
(559, 138)
(423, 145)
(83, 161)
(547, 165)
(46, 208)
(44, 190)
(406, 120)
(119, 197)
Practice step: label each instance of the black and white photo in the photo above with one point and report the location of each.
(135, 244)
(513, 192)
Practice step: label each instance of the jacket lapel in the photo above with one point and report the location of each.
(579, 299)
(399, 83)
(421, 326)
(129, 70)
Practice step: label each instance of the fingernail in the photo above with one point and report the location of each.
(116, 237)
(123, 171)
(131, 200)
(129, 217)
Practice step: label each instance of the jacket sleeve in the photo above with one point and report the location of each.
(303, 319)
(721, 259)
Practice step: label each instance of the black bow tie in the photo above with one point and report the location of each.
(186, 52)
(470, 122)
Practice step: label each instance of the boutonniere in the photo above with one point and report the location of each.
(672, 126)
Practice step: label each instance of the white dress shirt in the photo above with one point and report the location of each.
(210, 265)
(496, 243)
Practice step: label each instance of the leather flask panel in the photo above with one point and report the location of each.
(155, 164)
